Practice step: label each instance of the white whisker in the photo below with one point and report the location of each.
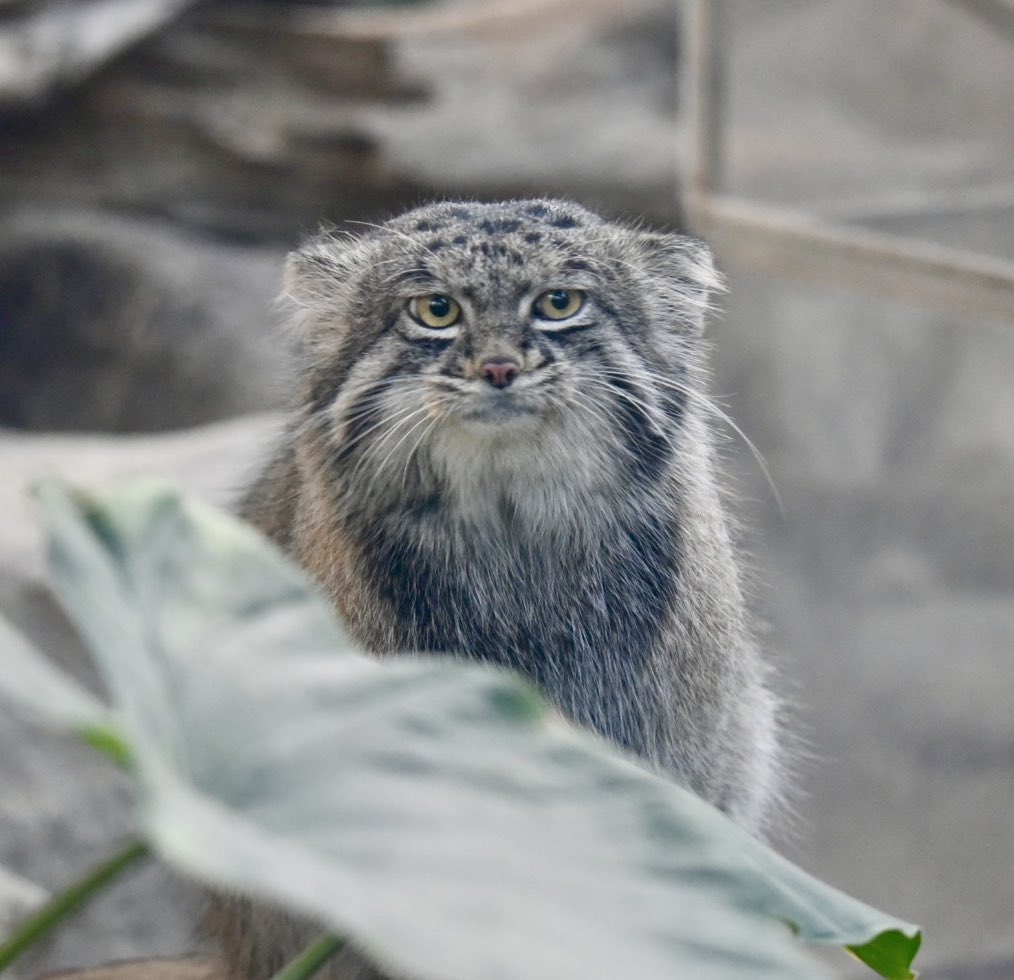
(709, 405)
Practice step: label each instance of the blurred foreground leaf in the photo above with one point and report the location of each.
(436, 813)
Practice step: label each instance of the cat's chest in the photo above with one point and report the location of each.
(541, 602)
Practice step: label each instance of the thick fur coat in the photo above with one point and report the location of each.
(476, 469)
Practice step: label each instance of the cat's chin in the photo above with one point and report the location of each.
(499, 412)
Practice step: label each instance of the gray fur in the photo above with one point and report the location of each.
(568, 525)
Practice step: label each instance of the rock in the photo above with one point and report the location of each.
(259, 120)
(227, 120)
(49, 46)
(117, 324)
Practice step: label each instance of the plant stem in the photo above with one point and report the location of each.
(68, 901)
(311, 959)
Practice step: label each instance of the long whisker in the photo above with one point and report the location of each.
(638, 403)
(392, 420)
(434, 421)
(385, 420)
(397, 424)
(380, 467)
(709, 405)
(589, 408)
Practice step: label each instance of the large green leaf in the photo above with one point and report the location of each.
(435, 812)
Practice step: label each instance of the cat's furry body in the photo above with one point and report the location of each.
(565, 522)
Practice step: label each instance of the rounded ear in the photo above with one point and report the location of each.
(686, 273)
(318, 289)
(320, 271)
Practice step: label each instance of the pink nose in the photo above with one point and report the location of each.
(499, 373)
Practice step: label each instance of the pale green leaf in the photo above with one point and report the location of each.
(435, 813)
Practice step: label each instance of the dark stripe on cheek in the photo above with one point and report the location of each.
(324, 389)
(329, 380)
(368, 410)
(362, 415)
(649, 450)
(427, 347)
(544, 346)
(565, 331)
(674, 401)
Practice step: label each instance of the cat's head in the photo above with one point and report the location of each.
(488, 331)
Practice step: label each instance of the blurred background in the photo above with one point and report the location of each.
(158, 158)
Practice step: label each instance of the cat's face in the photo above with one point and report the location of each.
(492, 331)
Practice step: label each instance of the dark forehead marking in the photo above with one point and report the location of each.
(499, 226)
(460, 240)
(436, 245)
(533, 238)
(564, 221)
(492, 249)
(428, 226)
(537, 210)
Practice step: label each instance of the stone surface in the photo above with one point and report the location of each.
(224, 121)
(835, 101)
(146, 209)
(118, 324)
(47, 46)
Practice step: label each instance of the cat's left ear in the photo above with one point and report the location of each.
(685, 274)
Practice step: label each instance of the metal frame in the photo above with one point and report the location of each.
(814, 248)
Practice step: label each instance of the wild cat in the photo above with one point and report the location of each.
(501, 450)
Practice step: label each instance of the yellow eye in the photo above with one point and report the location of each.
(435, 310)
(559, 304)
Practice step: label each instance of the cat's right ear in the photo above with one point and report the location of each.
(320, 272)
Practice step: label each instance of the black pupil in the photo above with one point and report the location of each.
(440, 307)
(559, 299)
